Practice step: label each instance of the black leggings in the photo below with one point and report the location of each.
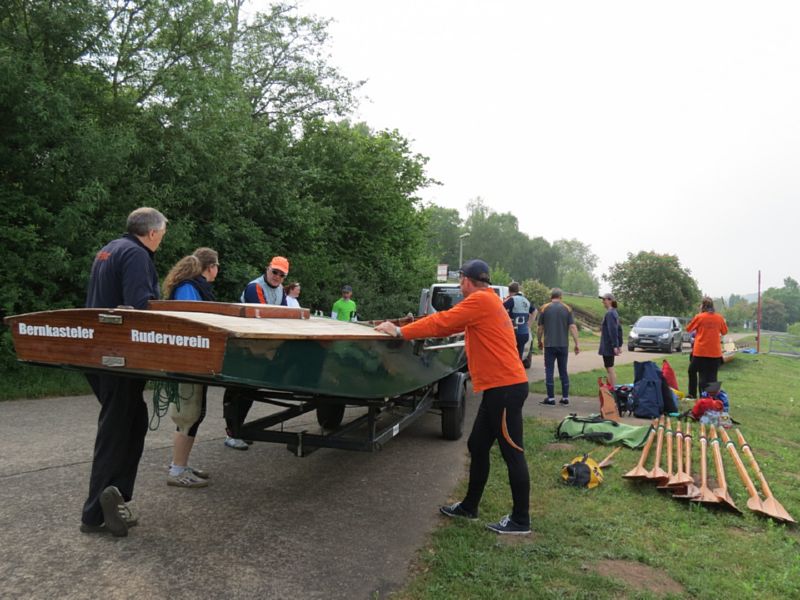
(500, 418)
(707, 368)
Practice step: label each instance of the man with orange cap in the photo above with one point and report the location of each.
(268, 289)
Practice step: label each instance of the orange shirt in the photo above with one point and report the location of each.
(490, 342)
(708, 341)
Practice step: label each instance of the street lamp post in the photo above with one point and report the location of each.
(461, 248)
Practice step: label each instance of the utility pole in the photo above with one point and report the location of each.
(461, 248)
(758, 332)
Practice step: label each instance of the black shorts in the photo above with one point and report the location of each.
(608, 361)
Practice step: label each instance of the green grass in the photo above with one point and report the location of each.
(25, 381)
(712, 554)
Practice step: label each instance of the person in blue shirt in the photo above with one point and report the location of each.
(190, 279)
(519, 308)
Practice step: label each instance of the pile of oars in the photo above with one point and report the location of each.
(684, 486)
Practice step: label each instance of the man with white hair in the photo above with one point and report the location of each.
(123, 274)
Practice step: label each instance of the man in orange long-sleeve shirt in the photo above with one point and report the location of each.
(496, 371)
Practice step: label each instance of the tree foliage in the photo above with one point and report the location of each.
(651, 283)
(535, 291)
(576, 265)
(789, 297)
(773, 314)
(231, 128)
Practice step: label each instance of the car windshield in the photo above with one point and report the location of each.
(446, 297)
(653, 323)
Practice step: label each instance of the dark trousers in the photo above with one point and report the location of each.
(500, 418)
(235, 407)
(707, 368)
(551, 356)
(521, 341)
(121, 429)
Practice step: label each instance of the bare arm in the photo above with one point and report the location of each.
(573, 329)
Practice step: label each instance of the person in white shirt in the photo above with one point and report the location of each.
(292, 292)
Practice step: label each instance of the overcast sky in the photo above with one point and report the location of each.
(670, 126)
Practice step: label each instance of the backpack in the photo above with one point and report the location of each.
(647, 393)
(582, 471)
(598, 429)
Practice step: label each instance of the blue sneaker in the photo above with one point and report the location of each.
(506, 526)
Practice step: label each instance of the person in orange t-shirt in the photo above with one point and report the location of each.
(709, 327)
(496, 371)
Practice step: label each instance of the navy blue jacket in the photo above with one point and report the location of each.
(610, 333)
(123, 273)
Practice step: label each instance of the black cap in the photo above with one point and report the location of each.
(347, 288)
(476, 269)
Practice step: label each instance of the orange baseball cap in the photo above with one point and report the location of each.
(279, 262)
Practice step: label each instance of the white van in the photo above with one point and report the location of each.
(441, 296)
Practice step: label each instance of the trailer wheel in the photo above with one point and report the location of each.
(330, 416)
(453, 415)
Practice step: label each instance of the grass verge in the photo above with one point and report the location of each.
(597, 543)
(26, 381)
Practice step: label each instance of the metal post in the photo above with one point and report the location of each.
(461, 248)
(758, 332)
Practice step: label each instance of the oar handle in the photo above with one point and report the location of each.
(646, 450)
(746, 449)
(703, 455)
(748, 483)
(718, 458)
(687, 448)
(659, 443)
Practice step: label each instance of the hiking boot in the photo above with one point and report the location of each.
(114, 511)
(200, 473)
(93, 528)
(506, 526)
(186, 479)
(455, 511)
(564, 401)
(236, 443)
(548, 401)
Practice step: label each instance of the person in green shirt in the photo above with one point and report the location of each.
(344, 309)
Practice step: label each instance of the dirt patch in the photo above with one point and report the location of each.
(638, 576)
(557, 446)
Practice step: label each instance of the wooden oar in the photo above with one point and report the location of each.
(607, 462)
(670, 476)
(657, 474)
(706, 495)
(639, 472)
(721, 491)
(753, 502)
(681, 478)
(769, 505)
(691, 490)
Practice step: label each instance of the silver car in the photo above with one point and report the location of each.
(663, 334)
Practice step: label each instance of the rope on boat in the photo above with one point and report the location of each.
(164, 394)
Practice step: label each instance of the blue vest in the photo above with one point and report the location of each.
(520, 314)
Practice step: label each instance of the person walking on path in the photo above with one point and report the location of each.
(190, 279)
(555, 324)
(266, 289)
(344, 309)
(610, 337)
(123, 274)
(519, 309)
(497, 372)
(708, 327)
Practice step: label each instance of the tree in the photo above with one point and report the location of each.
(576, 254)
(444, 226)
(739, 313)
(773, 314)
(789, 296)
(535, 291)
(651, 283)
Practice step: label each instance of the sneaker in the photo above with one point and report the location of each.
(236, 443)
(548, 401)
(199, 473)
(93, 528)
(564, 401)
(506, 526)
(186, 479)
(114, 509)
(455, 511)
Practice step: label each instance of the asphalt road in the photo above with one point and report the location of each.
(336, 524)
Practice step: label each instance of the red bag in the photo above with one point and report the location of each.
(705, 404)
(669, 375)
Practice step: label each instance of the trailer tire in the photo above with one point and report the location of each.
(454, 412)
(330, 416)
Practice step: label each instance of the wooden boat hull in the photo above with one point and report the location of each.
(298, 354)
